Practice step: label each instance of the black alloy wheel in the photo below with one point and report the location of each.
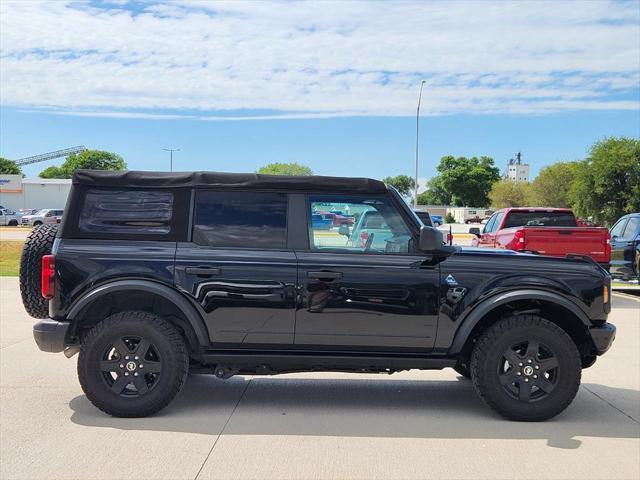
(131, 366)
(529, 371)
(526, 368)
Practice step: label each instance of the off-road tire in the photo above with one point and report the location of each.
(164, 337)
(38, 243)
(488, 354)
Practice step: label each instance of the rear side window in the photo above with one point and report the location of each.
(240, 219)
(540, 219)
(132, 212)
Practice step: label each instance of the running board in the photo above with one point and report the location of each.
(228, 364)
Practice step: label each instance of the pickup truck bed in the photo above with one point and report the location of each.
(540, 235)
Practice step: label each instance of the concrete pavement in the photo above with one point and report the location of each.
(409, 425)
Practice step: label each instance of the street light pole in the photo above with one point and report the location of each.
(171, 150)
(415, 196)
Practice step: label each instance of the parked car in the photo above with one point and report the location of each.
(153, 274)
(47, 216)
(320, 221)
(9, 217)
(625, 247)
(475, 219)
(545, 231)
(337, 218)
(437, 220)
(27, 211)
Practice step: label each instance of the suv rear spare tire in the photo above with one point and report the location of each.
(38, 243)
(526, 368)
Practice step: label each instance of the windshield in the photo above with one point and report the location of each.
(540, 219)
(41, 213)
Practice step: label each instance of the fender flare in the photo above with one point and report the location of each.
(189, 311)
(471, 320)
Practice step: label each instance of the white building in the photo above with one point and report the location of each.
(17, 192)
(516, 170)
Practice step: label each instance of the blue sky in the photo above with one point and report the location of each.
(236, 85)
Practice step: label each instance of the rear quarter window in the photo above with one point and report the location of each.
(127, 212)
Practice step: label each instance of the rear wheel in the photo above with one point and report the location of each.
(526, 368)
(132, 364)
(39, 242)
(13, 223)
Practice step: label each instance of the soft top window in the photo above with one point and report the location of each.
(132, 212)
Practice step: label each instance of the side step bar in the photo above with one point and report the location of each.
(228, 364)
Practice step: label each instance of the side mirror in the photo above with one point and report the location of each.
(431, 239)
(474, 231)
(344, 230)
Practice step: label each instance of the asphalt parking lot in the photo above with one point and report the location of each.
(409, 425)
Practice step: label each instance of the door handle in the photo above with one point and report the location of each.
(324, 275)
(202, 271)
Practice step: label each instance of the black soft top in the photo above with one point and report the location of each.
(101, 178)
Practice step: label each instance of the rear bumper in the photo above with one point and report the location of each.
(50, 335)
(603, 337)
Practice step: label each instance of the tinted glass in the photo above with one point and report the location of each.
(126, 212)
(365, 225)
(631, 228)
(497, 221)
(425, 218)
(241, 219)
(617, 229)
(489, 225)
(540, 219)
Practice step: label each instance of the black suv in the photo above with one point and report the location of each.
(153, 275)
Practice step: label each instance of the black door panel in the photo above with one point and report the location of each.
(361, 300)
(248, 296)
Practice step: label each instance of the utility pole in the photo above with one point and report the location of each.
(171, 150)
(415, 196)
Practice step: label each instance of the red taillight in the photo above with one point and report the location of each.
(518, 237)
(607, 247)
(450, 238)
(47, 276)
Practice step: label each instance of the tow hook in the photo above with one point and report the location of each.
(224, 371)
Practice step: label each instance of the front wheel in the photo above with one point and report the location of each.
(526, 368)
(132, 364)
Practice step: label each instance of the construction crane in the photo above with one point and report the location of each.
(50, 155)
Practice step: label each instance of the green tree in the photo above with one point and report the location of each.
(508, 193)
(9, 167)
(89, 159)
(435, 193)
(288, 169)
(552, 186)
(403, 183)
(467, 180)
(607, 183)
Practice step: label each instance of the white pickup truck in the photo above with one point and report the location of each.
(47, 216)
(9, 217)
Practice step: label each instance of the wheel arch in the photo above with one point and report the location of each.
(549, 305)
(143, 295)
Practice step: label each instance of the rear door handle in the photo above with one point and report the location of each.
(324, 275)
(202, 271)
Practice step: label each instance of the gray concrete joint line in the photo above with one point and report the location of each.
(611, 405)
(223, 429)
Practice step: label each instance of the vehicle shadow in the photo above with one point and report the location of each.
(362, 408)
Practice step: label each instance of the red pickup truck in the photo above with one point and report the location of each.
(546, 231)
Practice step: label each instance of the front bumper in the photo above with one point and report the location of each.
(603, 336)
(51, 335)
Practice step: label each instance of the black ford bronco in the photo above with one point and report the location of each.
(151, 276)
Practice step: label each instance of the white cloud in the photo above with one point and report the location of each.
(318, 59)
